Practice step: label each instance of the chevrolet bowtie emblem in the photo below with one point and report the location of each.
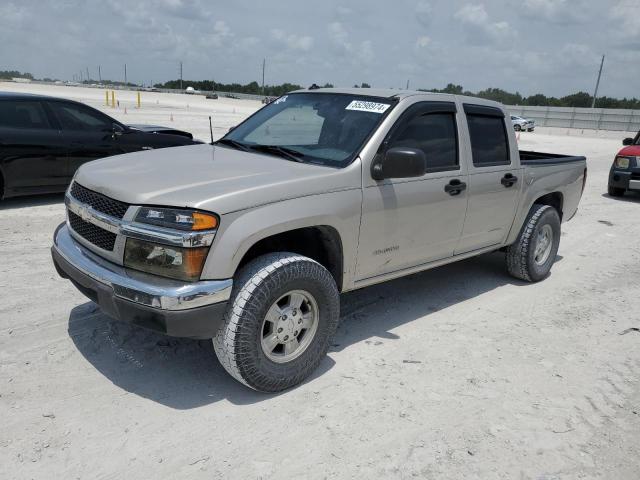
(85, 214)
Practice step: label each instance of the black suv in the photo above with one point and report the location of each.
(43, 140)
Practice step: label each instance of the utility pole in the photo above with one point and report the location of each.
(99, 74)
(264, 61)
(180, 75)
(595, 94)
(125, 74)
(407, 85)
(88, 73)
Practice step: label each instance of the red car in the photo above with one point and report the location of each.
(625, 171)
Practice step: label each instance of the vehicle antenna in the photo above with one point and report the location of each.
(210, 129)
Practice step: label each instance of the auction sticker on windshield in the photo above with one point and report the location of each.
(363, 106)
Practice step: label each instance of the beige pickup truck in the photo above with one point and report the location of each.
(250, 240)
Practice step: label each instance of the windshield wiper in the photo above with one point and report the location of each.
(232, 143)
(284, 152)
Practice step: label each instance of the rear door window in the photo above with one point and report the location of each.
(23, 114)
(489, 142)
(77, 117)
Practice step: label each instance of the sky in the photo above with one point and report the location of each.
(531, 46)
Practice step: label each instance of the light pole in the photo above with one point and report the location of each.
(595, 93)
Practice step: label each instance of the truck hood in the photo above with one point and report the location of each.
(211, 178)
(631, 150)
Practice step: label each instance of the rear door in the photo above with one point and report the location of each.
(89, 133)
(412, 221)
(494, 179)
(32, 152)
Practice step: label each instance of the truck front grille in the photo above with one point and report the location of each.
(93, 234)
(99, 202)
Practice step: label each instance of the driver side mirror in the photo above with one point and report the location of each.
(116, 130)
(627, 141)
(400, 162)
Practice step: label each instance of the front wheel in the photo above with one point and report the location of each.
(615, 191)
(282, 314)
(517, 128)
(531, 256)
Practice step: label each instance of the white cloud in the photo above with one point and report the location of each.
(356, 53)
(423, 42)
(479, 27)
(292, 41)
(424, 13)
(562, 12)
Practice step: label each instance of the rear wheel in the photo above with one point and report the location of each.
(531, 256)
(281, 316)
(615, 191)
(517, 127)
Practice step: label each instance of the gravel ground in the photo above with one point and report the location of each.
(459, 372)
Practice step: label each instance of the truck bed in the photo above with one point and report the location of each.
(539, 158)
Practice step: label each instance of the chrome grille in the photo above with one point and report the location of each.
(99, 202)
(92, 233)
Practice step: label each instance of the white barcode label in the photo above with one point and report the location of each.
(363, 106)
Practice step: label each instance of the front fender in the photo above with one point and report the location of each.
(239, 231)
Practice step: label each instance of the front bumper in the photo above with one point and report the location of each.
(627, 179)
(175, 308)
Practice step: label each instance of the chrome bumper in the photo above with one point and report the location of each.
(140, 288)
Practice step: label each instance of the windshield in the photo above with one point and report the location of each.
(323, 128)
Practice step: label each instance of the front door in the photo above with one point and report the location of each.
(407, 222)
(494, 180)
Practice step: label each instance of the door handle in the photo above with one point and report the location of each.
(454, 187)
(509, 180)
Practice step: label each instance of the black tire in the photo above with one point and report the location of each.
(517, 127)
(615, 191)
(521, 255)
(256, 288)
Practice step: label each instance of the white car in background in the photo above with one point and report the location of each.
(522, 124)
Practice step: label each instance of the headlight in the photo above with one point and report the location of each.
(177, 218)
(622, 162)
(167, 261)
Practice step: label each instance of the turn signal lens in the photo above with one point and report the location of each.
(204, 221)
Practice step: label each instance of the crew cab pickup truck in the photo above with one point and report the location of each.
(250, 240)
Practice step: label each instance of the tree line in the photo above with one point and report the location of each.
(579, 99)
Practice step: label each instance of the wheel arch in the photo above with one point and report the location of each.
(553, 199)
(322, 243)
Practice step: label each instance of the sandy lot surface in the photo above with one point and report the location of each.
(459, 372)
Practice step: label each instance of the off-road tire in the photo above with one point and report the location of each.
(256, 287)
(615, 191)
(520, 255)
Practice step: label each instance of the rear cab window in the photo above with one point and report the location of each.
(488, 134)
(23, 114)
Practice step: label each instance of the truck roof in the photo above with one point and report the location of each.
(399, 94)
